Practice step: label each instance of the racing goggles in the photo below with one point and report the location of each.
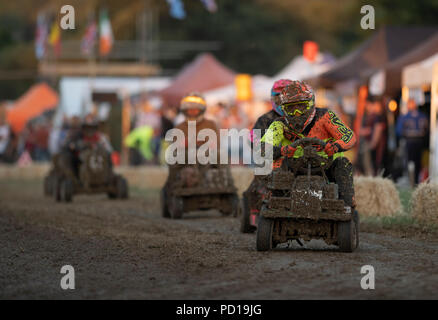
(297, 108)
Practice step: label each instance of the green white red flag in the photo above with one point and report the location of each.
(106, 40)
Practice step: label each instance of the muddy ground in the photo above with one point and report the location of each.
(125, 250)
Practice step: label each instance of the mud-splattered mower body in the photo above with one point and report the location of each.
(94, 176)
(304, 205)
(200, 187)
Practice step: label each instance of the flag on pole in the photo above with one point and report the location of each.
(89, 39)
(210, 5)
(55, 37)
(41, 36)
(106, 34)
(177, 9)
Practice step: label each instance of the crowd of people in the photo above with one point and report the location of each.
(40, 139)
(33, 141)
(146, 140)
(393, 147)
(387, 145)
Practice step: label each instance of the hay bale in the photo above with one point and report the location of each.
(424, 203)
(376, 196)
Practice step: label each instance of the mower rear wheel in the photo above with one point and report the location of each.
(122, 188)
(66, 190)
(230, 205)
(48, 185)
(357, 222)
(56, 184)
(235, 205)
(164, 206)
(348, 235)
(245, 225)
(176, 207)
(264, 234)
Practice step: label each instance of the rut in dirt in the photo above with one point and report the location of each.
(124, 249)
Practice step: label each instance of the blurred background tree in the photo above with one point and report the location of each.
(256, 36)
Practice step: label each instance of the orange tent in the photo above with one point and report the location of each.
(33, 103)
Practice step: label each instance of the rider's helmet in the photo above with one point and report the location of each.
(298, 105)
(193, 106)
(278, 86)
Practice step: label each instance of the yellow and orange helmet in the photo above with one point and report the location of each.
(193, 105)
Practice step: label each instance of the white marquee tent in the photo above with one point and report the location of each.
(419, 74)
(298, 69)
(301, 69)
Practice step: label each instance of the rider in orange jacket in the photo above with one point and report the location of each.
(302, 119)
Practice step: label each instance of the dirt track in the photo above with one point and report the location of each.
(124, 249)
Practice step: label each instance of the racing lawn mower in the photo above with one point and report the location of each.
(93, 174)
(302, 204)
(199, 187)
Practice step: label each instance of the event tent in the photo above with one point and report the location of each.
(261, 88)
(76, 92)
(298, 69)
(38, 99)
(203, 74)
(393, 70)
(419, 74)
(382, 48)
(301, 69)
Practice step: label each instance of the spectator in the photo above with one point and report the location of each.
(373, 138)
(5, 134)
(41, 148)
(140, 142)
(29, 139)
(166, 125)
(58, 136)
(413, 127)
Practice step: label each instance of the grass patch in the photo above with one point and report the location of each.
(147, 194)
(405, 198)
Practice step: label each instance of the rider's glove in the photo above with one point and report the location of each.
(330, 148)
(288, 151)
